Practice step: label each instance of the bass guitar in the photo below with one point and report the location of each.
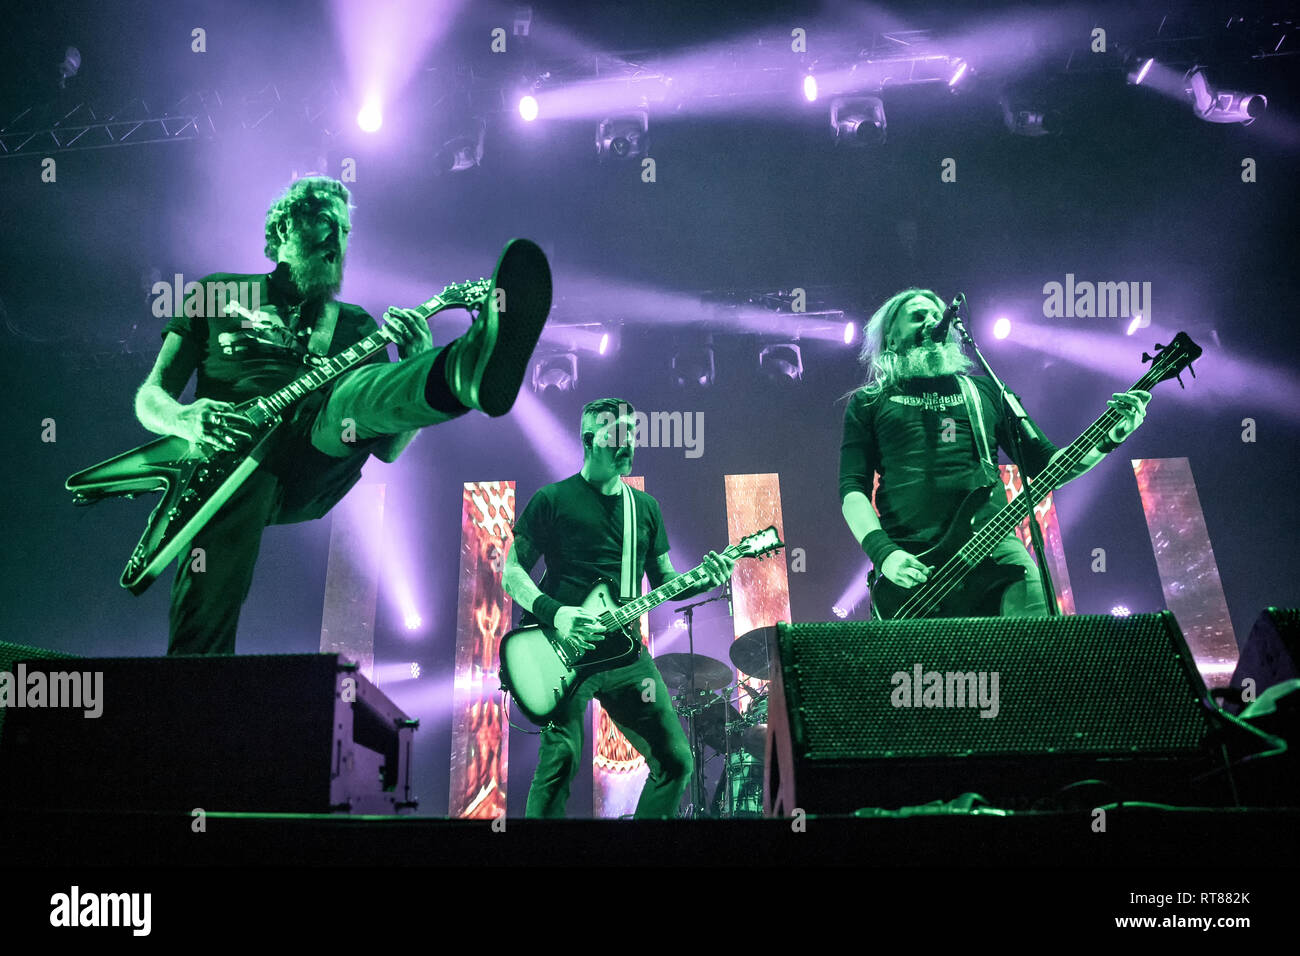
(961, 558)
(540, 674)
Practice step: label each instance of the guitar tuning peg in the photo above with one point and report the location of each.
(1147, 358)
(1180, 380)
(1190, 369)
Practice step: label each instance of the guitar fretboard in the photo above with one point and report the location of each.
(331, 368)
(629, 612)
(981, 545)
(326, 371)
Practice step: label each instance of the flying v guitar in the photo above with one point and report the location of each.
(196, 481)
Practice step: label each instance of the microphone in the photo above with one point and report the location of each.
(940, 332)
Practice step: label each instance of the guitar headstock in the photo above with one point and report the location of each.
(465, 295)
(758, 544)
(1170, 360)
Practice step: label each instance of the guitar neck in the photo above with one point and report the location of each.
(332, 368)
(629, 612)
(1052, 477)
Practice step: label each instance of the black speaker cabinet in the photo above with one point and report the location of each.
(891, 714)
(302, 733)
(1270, 655)
(11, 654)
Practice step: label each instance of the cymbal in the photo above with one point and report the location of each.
(710, 673)
(754, 651)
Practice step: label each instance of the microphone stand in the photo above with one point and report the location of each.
(1016, 411)
(697, 808)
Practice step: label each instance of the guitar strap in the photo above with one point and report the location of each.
(319, 344)
(975, 412)
(627, 586)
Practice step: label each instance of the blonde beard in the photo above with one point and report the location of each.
(929, 361)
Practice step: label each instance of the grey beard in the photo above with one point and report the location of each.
(313, 280)
(927, 361)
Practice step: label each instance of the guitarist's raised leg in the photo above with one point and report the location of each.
(384, 401)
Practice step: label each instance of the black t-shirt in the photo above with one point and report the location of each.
(579, 533)
(923, 477)
(239, 359)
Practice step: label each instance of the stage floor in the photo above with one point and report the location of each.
(1133, 834)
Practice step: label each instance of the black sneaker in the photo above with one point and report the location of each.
(486, 365)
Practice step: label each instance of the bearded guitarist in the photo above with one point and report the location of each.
(317, 454)
(931, 433)
(576, 525)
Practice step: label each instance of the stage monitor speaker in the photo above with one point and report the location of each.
(892, 714)
(10, 655)
(287, 733)
(1270, 655)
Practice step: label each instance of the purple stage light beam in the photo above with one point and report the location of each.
(385, 44)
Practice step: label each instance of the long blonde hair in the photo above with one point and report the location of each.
(882, 363)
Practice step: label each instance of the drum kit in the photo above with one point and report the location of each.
(710, 700)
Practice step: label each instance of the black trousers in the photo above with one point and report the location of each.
(639, 704)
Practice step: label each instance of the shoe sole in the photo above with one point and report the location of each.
(510, 337)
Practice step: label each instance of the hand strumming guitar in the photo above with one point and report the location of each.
(205, 421)
(904, 569)
(575, 627)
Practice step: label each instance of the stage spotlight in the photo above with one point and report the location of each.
(1024, 119)
(413, 620)
(782, 362)
(958, 72)
(1136, 78)
(370, 117)
(810, 88)
(1134, 325)
(1119, 610)
(70, 65)
(858, 121)
(523, 20)
(623, 137)
(604, 343)
(693, 367)
(557, 372)
(1002, 328)
(1222, 106)
(415, 669)
(528, 107)
(462, 151)
(840, 612)
(850, 332)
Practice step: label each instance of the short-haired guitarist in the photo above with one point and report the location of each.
(576, 526)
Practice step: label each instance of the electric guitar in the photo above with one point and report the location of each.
(964, 574)
(540, 674)
(196, 480)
